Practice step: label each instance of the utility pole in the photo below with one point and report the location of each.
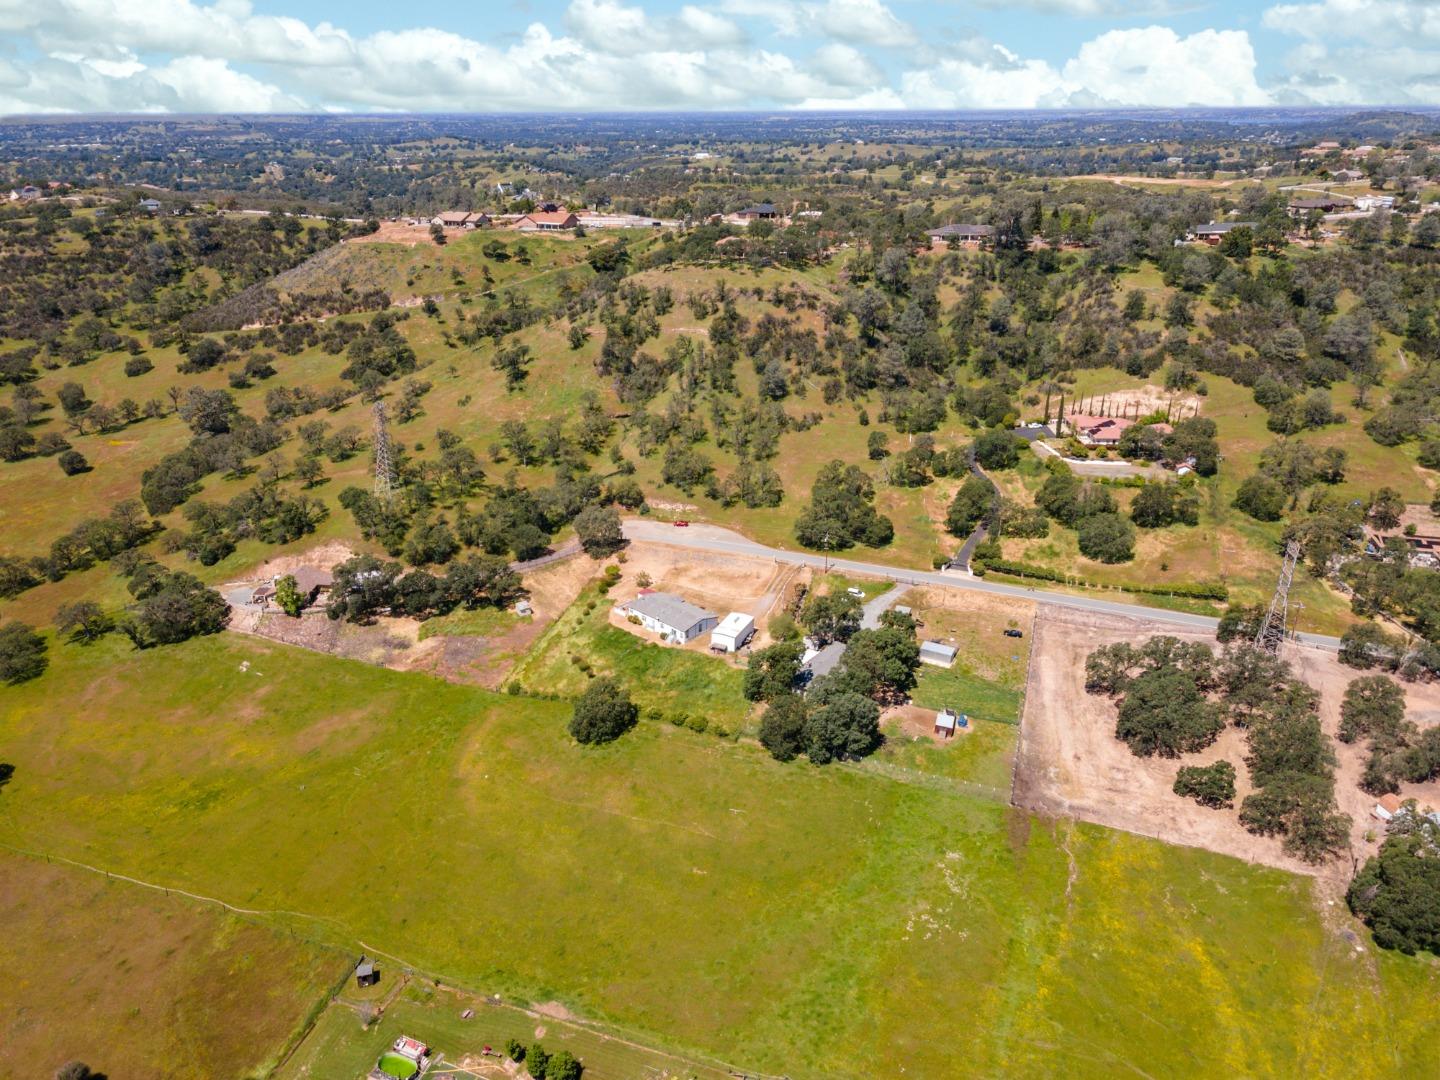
(1272, 628)
(384, 470)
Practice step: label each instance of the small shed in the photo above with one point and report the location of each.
(733, 632)
(945, 722)
(937, 653)
(366, 973)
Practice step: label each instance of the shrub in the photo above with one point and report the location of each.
(72, 462)
(1209, 785)
(603, 713)
(22, 653)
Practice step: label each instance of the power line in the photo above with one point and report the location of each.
(1272, 629)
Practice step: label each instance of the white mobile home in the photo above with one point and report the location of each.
(673, 618)
(732, 633)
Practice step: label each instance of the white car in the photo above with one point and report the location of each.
(856, 592)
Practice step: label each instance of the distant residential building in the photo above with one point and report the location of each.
(26, 193)
(1347, 176)
(1326, 205)
(460, 219)
(759, 212)
(972, 236)
(1375, 202)
(1214, 232)
(541, 221)
(1098, 430)
(674, 618)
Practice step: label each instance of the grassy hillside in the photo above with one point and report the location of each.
(800, 920)
(139, 984)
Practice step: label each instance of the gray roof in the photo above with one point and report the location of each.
(824, 661)
(964, 230)
(1220, 228)
(670, 609)
(939, 650)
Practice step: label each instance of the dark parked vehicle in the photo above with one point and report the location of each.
(1014, 633)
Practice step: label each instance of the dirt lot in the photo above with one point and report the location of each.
(974, 623)
(397, 232)
(1150, 398)
(1069, 761)
(396, 642)
(721, 583)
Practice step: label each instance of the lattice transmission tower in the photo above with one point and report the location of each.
(1272, 629)
(384, 469)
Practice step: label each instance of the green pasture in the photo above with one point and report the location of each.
(689, 890)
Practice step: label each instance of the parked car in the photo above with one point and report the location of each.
(1014, 633)
(682, 524)
(856, 592)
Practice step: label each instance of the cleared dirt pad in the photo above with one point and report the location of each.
(1069, 761)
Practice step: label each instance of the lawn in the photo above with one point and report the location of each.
(961, 689)
(139, 984)
(686, 889)
(658, 676)
(402, 1068)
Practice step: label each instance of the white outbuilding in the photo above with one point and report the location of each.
(732, 633)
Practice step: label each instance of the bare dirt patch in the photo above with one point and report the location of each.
(398, 232)
(1142, 400)
(396, 642)
(915, 722)
(1069, 761)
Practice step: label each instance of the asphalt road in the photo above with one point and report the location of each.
(722, 541)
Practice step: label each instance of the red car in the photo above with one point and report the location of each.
(682, 524)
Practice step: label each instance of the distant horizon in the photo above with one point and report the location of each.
(785, 113)
(308, 57)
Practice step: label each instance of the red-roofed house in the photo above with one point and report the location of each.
(557, 221)
(1098, 430)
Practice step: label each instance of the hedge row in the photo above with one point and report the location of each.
(1203, 591)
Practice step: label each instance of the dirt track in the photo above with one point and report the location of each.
(1069, 761)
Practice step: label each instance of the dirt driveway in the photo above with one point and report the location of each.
(1069, 761)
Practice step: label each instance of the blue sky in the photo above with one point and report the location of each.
(286, 55)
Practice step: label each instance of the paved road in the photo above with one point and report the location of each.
(723, 541)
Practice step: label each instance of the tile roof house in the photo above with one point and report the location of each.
(539, 221)
(1098, 430)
